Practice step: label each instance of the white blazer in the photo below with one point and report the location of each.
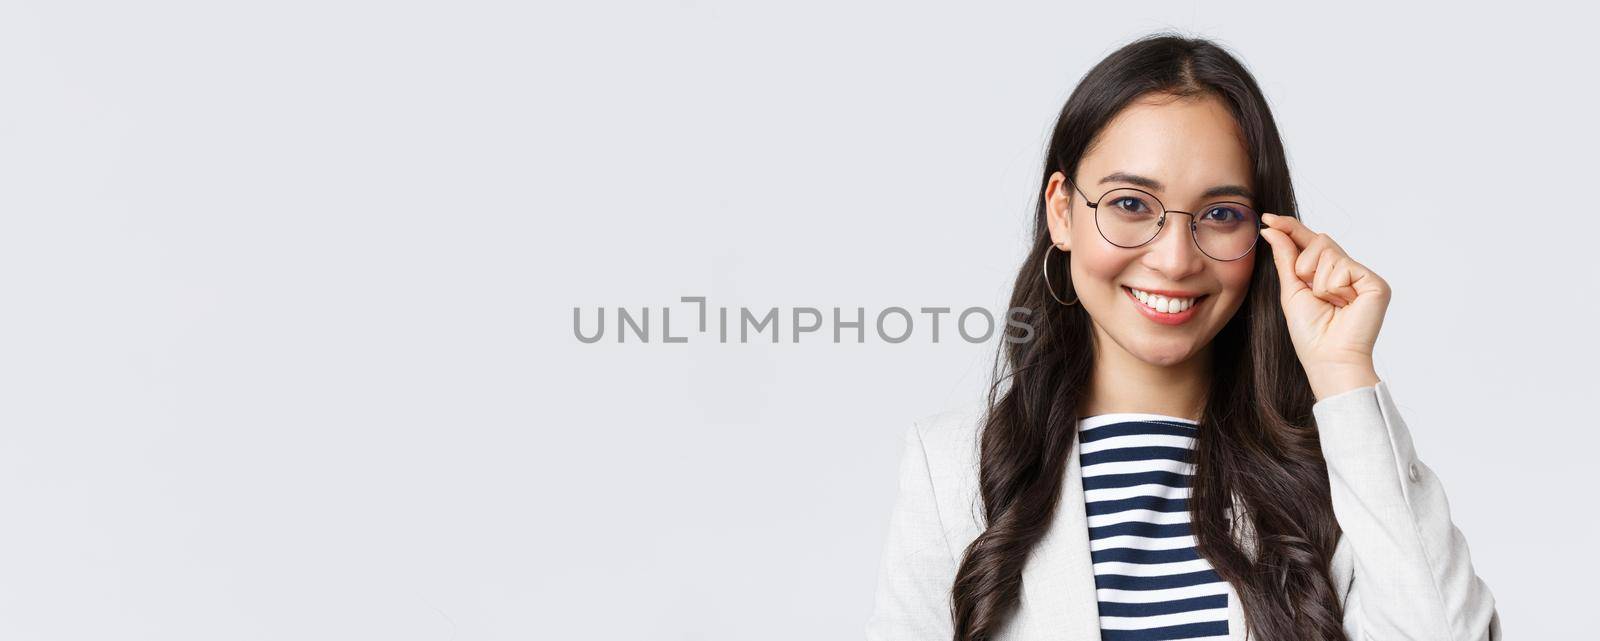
(1401, 567)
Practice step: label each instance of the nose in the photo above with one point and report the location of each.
(1173, 251)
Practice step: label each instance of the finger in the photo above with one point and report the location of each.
(1291, 226)
(1323, 283)
(1319, 279)
(1284, 254)
(1342, 282)
(1306, 266)
(1335, 245)
(1330, 264)
(1363, 281)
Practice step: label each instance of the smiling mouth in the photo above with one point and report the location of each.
(1162, 304)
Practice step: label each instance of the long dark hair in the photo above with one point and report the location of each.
(1256, 439)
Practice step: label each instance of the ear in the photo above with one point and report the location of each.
(1058, 211)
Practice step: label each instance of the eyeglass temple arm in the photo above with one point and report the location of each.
(1075, 188)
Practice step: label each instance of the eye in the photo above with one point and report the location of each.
(1223, 214)
(1128, 203)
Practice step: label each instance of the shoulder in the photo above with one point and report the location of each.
(952, 434)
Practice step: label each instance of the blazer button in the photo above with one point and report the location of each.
(1415, 476)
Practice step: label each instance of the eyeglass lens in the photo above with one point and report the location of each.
(1224, 230)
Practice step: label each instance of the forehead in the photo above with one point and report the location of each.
(1188, 144)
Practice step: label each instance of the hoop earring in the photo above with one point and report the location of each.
(1045, 266)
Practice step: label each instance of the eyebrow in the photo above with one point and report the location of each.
(1151, 183)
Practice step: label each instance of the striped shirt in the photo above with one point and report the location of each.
(1150, 581)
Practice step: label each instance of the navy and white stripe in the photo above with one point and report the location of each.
(1150, 581)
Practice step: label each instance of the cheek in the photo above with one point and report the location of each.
(1236, 277)
(1095, 265)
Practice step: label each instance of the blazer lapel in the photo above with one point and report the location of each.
(1058, 599)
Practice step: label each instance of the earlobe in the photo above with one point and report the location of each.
(1060, 236)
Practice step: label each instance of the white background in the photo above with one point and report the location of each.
(286, 345)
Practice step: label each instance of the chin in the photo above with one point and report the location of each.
(1168, 359)
(1165, 352)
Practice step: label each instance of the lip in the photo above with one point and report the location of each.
(1169, 293)
(1166, 319)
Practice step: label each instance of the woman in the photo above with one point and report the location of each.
(1194, 443)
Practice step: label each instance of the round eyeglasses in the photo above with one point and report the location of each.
(1129, 217)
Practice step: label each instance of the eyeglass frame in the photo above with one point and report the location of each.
(1194, 224)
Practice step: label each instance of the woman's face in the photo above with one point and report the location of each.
(1187, 146)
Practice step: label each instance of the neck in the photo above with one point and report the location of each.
(1122, 383)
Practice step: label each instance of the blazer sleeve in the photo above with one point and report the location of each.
(1407, 573)
(917, 570)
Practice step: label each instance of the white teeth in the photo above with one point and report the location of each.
(1162, 303)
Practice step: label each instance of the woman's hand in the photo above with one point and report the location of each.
(1334, 306)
